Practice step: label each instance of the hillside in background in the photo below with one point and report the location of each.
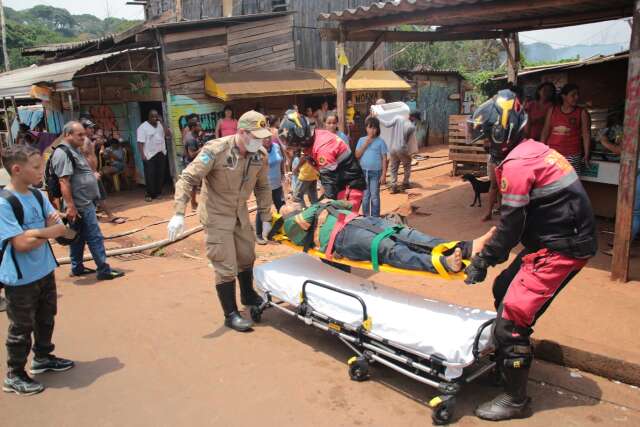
(41, 25)
(542, 52)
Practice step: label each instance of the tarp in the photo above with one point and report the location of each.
(251, 84)
(369, 80)
(228, 86)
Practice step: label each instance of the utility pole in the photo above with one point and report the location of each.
(7, 65)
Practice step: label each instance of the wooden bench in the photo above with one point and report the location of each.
(466, 157)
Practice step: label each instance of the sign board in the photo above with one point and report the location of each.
(602, 172)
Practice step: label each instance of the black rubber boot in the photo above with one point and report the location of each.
(513, 403)
(232, 319)
(248, 295)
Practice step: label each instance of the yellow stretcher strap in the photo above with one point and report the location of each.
(436, 257)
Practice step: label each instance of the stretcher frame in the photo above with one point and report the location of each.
(371, 348)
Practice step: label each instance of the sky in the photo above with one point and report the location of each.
(599, 33)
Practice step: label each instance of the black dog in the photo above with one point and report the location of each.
(479, 187)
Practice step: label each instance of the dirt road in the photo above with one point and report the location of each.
(151, 350)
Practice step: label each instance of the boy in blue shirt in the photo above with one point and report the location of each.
(27, 271)
(371, 151)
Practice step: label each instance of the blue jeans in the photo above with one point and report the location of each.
(371, 197)
(90, 235)
(635, 225)
(354, 242)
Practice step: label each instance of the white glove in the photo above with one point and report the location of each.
(266, 229)
(176, 227)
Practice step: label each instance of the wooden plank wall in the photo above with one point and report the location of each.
(200, 9)
(262, 45)
(189, 54)
(310, 50)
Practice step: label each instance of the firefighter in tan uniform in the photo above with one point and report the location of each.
(232, 168)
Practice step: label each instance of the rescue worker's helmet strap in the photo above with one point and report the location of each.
(295, 130)
(500, 120)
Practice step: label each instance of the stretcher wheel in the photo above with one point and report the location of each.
(256, 314)
(358, 369)
(442, 410)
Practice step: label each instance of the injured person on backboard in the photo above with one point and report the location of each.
(332, 230)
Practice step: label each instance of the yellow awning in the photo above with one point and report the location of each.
(228, 86)
(369, 80)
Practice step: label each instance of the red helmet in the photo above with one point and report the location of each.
(500, 120)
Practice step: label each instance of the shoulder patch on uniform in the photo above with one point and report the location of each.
(205, 157)
(504, 184)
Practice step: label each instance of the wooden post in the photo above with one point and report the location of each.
(628, 158)
(511, 45)
(7, 122)
(341, 92)
(15, 108)
(7, 64)
(178, 10)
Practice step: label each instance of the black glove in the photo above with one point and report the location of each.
(476, 271)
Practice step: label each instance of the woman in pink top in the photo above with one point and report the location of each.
(228, 125)
(566, 128)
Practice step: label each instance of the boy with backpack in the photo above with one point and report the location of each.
(27, 222)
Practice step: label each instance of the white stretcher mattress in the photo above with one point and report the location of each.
(426, 326)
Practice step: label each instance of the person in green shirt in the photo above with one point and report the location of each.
(331, 224)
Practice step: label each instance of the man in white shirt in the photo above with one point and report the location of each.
(153, 149)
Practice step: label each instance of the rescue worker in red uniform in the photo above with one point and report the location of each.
(340, 173)
(544, 207)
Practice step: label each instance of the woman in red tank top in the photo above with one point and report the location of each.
(537, 109)
(566, 128)
(228, 125)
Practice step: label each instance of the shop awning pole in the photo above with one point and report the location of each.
(341, 84)
(628, 158)
(7, 121)
(511, 45)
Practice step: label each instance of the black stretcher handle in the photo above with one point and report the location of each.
(340, 291)
(476, 341)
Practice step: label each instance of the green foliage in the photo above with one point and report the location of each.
(41, 25)
(526, 63)
(477, 60)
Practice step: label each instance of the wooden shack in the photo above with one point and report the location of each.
(602, 83)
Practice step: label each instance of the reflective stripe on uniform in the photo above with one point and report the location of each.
(515, 200)
(555, 186)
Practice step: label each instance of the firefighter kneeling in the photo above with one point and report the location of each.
(544, 207)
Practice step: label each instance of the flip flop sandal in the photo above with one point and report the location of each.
(86, 271)
(118, 220)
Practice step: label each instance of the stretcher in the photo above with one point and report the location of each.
(438, 344)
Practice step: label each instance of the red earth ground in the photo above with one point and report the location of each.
(151, 348)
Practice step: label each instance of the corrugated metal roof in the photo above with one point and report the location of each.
(228, 20)
(59, 47)
(393, 7)
(18, 82)
(468, 16)
(595, 60)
